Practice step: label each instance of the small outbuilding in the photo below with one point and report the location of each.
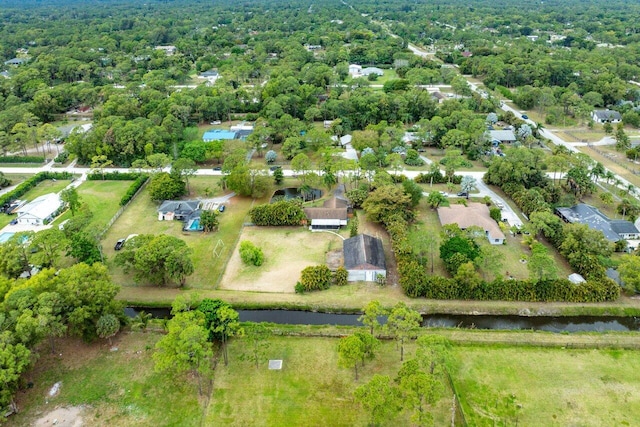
(331, 216)
(606, 116)
(364, 258)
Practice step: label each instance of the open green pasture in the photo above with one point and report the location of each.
(309, 390)
(547, 387)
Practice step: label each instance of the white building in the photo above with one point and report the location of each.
(41, 210)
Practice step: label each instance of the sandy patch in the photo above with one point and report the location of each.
(287, 251)
(62, 417)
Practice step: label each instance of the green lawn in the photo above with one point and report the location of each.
(103, 198)
(116, 388)
(141, 218)
(547, 387)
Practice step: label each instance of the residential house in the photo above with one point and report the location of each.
(475, 214)
(505, 136)
(606, 116)
(343, 141)
(331, 216)
(41, 211)
(364, 258)
(168, 50)
(613, 229)
(439, 96)
(210, 76)
(371, 70)
(180, 210)
(355, 70)
(15, 61)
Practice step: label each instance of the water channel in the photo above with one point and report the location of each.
(539, 323)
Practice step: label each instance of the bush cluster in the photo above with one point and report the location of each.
(251, 254)
(21, 159)
(62, 157)
(438, 178)
(314, 278)
(281, 213)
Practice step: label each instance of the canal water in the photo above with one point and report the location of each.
(538, 323)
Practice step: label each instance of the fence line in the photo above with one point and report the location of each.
(614, 160)
(457, 401)
(121, 210)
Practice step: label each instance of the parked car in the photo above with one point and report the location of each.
(216, 122)
(463, 194)
(13, 222)
(217, 168)
(221, 208)
(119, 244)
(273, 168)
(524, 116)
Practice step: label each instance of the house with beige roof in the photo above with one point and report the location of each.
(475, 214)
(331, 216)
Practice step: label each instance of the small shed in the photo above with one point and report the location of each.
(364, 258)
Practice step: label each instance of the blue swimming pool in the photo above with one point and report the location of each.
(193, 225)
(5, 236)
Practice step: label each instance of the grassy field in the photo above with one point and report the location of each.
(309, 390)
(115, 388)
(103, 197)
(548, 387)
(497, 384)
(141, 217)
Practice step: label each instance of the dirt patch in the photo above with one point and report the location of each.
(335, 259)
(287, 251)
(62, 417)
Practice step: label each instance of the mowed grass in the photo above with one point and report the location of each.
(141, 217)
(103, 199)
(115, 387)
(310, 390)
(549, 387)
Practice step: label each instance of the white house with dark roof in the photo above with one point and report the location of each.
(180, 210)
(41, 210)
(364, 258)
(606, 116)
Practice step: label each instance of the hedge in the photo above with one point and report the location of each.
(27, 185)
(113, 176)
(21, 159)
(133, 188)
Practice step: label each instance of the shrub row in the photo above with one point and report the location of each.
(27, 185)
(320, 277)
(281, 213)
(21, 159)
(416, 283)
(133, 188)
(113, 176)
